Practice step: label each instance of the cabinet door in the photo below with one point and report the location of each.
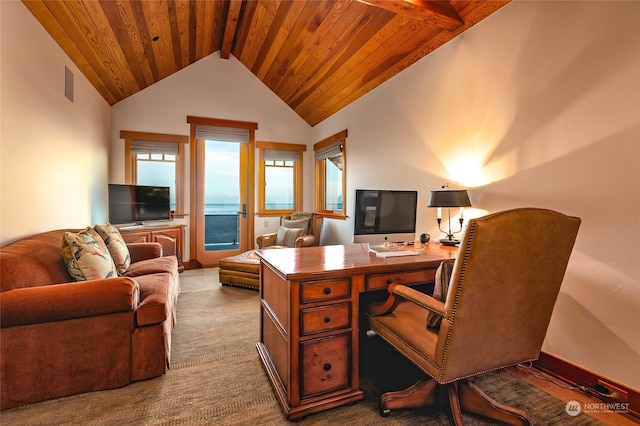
(326, 365)
(136, 236)
(169, 239)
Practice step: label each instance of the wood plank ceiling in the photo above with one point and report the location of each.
(316, 55)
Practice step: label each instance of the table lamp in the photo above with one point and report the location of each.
(449, 198)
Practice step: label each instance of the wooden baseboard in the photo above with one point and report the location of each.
(576, 375)
(192, 264)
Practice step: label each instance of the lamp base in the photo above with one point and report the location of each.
(448, 242)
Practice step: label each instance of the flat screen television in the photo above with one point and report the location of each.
(135, 204)
(385, 216)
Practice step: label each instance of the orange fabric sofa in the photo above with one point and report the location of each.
(59, 337)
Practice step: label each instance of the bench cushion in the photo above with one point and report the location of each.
(241, 270)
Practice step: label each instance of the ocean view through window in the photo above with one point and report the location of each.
(222, 196)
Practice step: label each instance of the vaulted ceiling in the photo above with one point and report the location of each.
(318, 56)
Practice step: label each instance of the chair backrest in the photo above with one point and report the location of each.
(503, 288)
(315, 223)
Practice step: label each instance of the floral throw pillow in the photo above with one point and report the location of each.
(287, 236)
(116, 245)
(87, 256)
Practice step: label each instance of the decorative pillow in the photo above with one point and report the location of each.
(443, 274)
(310, 216)
(287, 236)
(87, 256)
(296, 223)
(116, 245)
(302, 215)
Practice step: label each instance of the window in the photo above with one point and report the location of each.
(280, 177)
(330, 157)
(156, 169)
(156, 159)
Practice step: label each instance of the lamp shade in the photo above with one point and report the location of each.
(453, 198)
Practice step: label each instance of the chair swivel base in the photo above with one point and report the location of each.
(461, 396)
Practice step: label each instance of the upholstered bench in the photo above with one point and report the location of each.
(241, 270)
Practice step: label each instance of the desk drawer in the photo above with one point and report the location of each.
(325, 290)
(325, 365)
(382, 281)
(323, 318)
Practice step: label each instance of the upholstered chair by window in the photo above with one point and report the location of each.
(300, 229)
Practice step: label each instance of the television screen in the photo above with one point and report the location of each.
(138, 203)
(385, 216)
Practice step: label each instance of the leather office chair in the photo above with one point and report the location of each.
(311, 236)
(503, 286)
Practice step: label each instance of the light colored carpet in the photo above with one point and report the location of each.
(216, 378)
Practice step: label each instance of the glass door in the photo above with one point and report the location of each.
(222, 206)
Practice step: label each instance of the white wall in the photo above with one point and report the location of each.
(538, 105)
(54, 153)
(215, 88)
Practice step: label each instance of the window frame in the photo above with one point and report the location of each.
(320, 176)
(297, 177)
(130, 164)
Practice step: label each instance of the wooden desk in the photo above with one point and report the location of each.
(310, 309)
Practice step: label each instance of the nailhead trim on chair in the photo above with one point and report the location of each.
(463, 268)
(472, 228)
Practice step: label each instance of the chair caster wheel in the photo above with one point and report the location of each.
(384, 412)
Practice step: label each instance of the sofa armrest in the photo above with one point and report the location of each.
(144, 251)
(266, 240)
(57, 302)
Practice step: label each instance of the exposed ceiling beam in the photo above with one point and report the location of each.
(230, 28)
(437, 12)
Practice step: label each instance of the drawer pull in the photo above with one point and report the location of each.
(327, 367)
(390, 281)
(327, 290)
(327, 319)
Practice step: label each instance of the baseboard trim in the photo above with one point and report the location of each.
(579, 376)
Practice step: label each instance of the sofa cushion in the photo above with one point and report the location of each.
(245, 262)
(152, 266)
(33, 261)
(87, 256)
(116, 245)
(287, 236)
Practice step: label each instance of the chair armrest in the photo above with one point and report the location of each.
(420, 299)
(266, 240)
(58, 302)
(305, 241)
(398, 293)
(144, 251)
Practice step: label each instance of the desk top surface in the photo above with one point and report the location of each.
(293, 262)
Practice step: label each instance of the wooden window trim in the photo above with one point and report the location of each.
(130, 160)
(320, 178)
(297, 178)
